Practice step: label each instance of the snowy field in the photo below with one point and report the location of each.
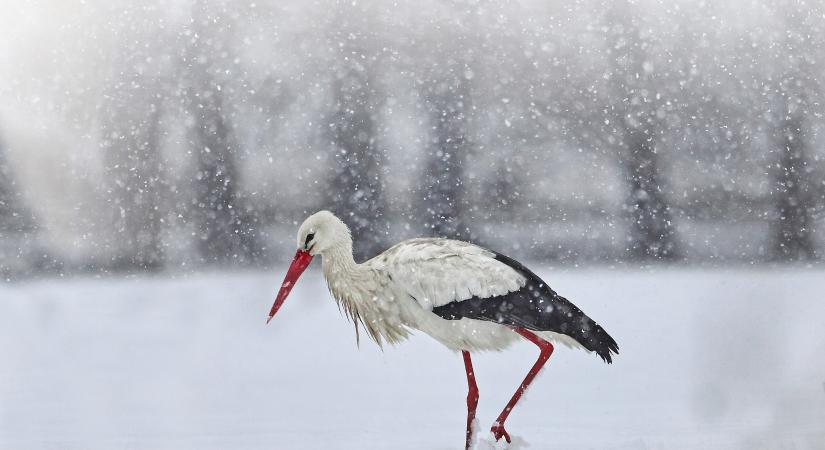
(710, 359)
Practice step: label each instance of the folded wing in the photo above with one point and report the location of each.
(456, 280)
(437, 272)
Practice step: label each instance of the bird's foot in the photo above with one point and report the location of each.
(499, 431)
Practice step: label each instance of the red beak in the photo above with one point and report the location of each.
(299, 264)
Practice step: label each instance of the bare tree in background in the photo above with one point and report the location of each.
(19, 250)
(792, 230)
(652, 231)
(131, 144)
(442, 203)
(502, 190)
(14, 216)
(357, 190)
(794, 98)
(227, 230)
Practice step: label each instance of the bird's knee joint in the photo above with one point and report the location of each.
(546, 350)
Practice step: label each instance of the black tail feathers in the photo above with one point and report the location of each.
(597, 340)
(559, 315)
(535, 307)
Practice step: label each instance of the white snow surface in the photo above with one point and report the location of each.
(710, 359)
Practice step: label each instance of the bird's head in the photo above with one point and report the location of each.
(319, 233)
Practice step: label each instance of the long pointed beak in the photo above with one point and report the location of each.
(299, 264)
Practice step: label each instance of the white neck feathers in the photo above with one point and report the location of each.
(362, 294)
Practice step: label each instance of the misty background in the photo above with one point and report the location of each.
(660, 163)
(179, 135)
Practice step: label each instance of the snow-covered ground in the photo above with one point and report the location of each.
(719, 359)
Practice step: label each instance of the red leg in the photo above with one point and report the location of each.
(546, 350)
(472, 397)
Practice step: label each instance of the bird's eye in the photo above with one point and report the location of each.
(309, 238)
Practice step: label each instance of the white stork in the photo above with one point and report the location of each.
(464, 296)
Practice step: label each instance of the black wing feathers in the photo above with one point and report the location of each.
(535, 307)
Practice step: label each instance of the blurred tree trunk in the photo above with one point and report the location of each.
(652, 234)
(227, 229)
(795, 98)
(792, 234)
(357, 189)
(16, 224)
(132, 135)
(503, 190)
(14, 216)
(133, 168)
(20, 249)
(442, 204)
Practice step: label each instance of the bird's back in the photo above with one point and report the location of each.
(456, 280)
(437, 271)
